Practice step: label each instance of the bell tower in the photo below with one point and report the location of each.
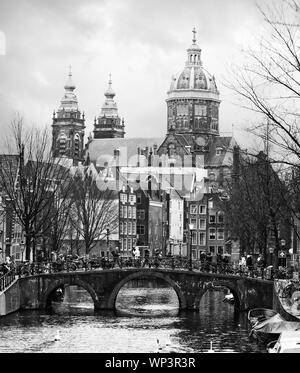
(68, 126)
(108, 124)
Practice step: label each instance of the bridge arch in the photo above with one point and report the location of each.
(151, 275)
(221, 282)
(46, 299)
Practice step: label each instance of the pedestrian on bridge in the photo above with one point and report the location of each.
(146, 259)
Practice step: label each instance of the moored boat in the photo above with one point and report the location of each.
(270, 329)
(260, 314)
(288, 342)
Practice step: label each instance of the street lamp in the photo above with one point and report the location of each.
(107, 240)
(191, 226)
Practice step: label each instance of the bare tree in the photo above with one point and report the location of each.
(269, 82)
(95, 209)
(32, 181)
(257, 211)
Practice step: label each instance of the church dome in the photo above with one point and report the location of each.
(194, 77)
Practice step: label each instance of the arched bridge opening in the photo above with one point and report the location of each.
(63, 295)
(229, 293)
(145, 277)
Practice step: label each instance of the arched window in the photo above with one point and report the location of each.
(76, 144)
(62, 144)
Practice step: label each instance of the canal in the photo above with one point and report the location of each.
(143, 315)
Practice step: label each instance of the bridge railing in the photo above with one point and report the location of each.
(178, 263)
(7, 279)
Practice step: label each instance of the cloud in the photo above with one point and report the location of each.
(141, 42)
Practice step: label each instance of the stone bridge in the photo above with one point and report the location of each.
(103, 286)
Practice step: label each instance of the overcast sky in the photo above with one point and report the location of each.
(140, 42)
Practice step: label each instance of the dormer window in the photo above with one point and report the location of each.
(219, 151)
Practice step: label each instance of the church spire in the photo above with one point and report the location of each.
(109, 94)
(68, 125)
(194, 35)
(108, 123)
(194, 52)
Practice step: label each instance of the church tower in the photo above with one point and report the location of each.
(193, 98)
(108, 124)
(68, 126)
(192, 108)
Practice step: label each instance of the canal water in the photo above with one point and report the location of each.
(143, 316)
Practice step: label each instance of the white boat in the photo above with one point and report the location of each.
(288, 342)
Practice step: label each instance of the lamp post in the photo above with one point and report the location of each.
(107, 240)
(191, 226)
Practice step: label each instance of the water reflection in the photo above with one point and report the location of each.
(143, 315)
(158, 300)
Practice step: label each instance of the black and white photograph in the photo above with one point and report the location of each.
(149, 179)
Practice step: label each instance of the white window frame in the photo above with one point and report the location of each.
(212, 231)
(193, 209)
(223, 235)
(204, 225)
(204, 208)
(194, 222)
(212, 216)
(203, 234)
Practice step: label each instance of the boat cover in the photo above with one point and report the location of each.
(277, 324)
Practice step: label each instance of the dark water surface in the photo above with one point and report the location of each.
(143, 315)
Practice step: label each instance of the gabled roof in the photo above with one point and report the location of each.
(226, 156)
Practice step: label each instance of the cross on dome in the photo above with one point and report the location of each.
(194, 36)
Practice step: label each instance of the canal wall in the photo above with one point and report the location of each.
(10, 299)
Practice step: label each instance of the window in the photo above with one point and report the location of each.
(132, 198)
(182, 109)
(125, 212)
(124, 228)
(129, 212)
(141, 214)
(123, 197)
(129, 247)
(212, 249)
(214, 125)
(221, 217)
(193, 209)
(121, 228)
(124, 244)
(220, 234)
(133, 228)
(139, 198)
(194, 238)
(219, 151)
(121, 212)
(140, 229)
(202, 209)
(129, 227)
(194, 223)
(194, 254)
(210, 204)
(212, 219)
(212, 233)
(202, 239)
(202, 223)
(200, 110)
(133, 213)
(220, 249)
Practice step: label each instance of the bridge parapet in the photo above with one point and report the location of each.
(104, 286)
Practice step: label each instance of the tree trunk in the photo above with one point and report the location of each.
(27, 246)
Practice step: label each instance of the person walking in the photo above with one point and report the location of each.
(146, 259)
